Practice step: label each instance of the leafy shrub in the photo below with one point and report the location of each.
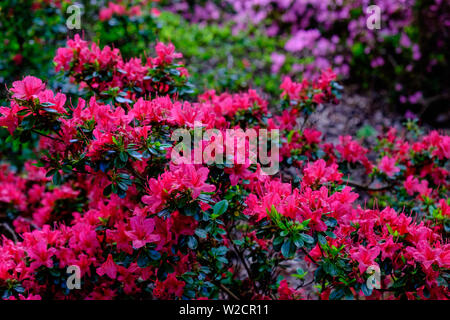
(105, 195)
(223, 60)
(34, 29)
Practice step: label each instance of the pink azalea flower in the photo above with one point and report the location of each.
(425, 254)
(319, 172)
(166, 53)
(41, 255)
(387, 165)
(196, 180)
(141, 231)
(365, 257)
(8, 117)
(290, 88)
(170, 288)
(27, 89)
(109, 268)
(311, 135)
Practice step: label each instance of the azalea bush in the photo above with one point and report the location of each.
(107, 193)
(34, 29)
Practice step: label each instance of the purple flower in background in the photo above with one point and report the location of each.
(416, 52)
(405, 41)
(302, 39)
(410, 115)
(413, 99)
(277, 61)
(377, 62)
(329, 33)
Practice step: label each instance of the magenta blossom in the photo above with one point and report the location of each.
(387, 165)
(28, 88)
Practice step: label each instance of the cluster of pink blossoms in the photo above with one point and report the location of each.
(120, 9)
(103, 69)
(105, 197)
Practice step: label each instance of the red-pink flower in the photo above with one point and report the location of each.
(105, 14)
(425, 254)
(9, 118)
(412, 185)
(286, 293)
(178, 179)
(292, 89)
(41, 255)
(365, 257)
(141, 231)
(169, 288)
(319, 172)
(166, 53)
(387, 165)
(351, 150)
(311, 135)
(28, 88)
(195, 179)
(109, 268)
(445, 208)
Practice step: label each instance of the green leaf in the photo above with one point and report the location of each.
(123, 156)
(222, 259)
(330, 234)
(135, 154)
(50, 173)
(367, 292)
(220, 251)
(28, 122)
(220, 208)
(322, 239)
(123, 100)
(299, 243)
(201, 233)
(307, 238)
(121, 193)
(331, 269)
(192, 242)
(57, 179)
(143, 261)
(337, 294)
(50, 110)
(366, 132)
(154, 255)
(300, 273)
(122, 186)
(331, 222)
(67, 169)
(277, 241)
(286, 249)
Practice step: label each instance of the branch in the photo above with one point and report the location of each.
(228, 291)
(47, 136)
(239, 254)
(309, 256)
(427, 102)
(366, 187)
(136, 174)
(305, 284)
(10, 230)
